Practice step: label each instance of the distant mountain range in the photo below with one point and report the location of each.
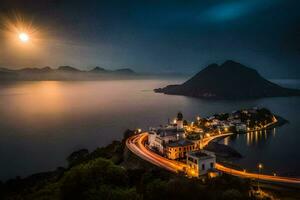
(64, 73)
(230, 80)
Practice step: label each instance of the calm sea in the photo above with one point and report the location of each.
(41, 123)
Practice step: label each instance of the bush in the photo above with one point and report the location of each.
(111, 193)
(232, 194)
(78, 157)
(90, 175)
(157, 189)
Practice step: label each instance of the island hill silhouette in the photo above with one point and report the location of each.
(230, 80)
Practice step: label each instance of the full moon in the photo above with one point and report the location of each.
(23, 37)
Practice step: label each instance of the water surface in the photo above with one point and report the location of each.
(41, 123)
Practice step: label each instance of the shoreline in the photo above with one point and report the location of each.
(281, 121)
(136, 146)
(230, 152)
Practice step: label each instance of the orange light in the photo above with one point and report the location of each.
(24, 37)
(18, 29)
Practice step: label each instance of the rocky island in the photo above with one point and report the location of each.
(230, 80)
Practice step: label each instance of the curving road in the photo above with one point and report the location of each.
(136, 144)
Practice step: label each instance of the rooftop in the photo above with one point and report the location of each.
(201, 154)
(168, 131)
(180, 143)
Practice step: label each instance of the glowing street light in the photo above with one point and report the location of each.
(260, 167)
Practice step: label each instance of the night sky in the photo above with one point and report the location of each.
(158, 36)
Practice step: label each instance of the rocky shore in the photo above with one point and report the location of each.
(223, 151)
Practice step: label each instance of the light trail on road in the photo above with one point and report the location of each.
(136, 144)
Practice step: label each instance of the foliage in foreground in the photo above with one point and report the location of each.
(101, 175)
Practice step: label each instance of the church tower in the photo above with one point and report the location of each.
(179, 121)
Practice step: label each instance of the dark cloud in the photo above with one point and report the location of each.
(167, 35)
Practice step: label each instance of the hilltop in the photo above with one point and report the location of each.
(64, 73)
(230, 80)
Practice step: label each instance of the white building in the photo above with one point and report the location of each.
(155, 141)
(200, 162)
(159, 137)
(241, 127)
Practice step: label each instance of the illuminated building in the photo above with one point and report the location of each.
(159, 137)
(200, 162)
(241, 127)
(179, 149)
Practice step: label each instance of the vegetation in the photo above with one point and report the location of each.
(252, 118)
(222, 116)
(261, 117)
(105, 174)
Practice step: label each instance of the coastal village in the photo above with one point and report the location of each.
(184, 142)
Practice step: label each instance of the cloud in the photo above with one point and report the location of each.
(235, 9)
